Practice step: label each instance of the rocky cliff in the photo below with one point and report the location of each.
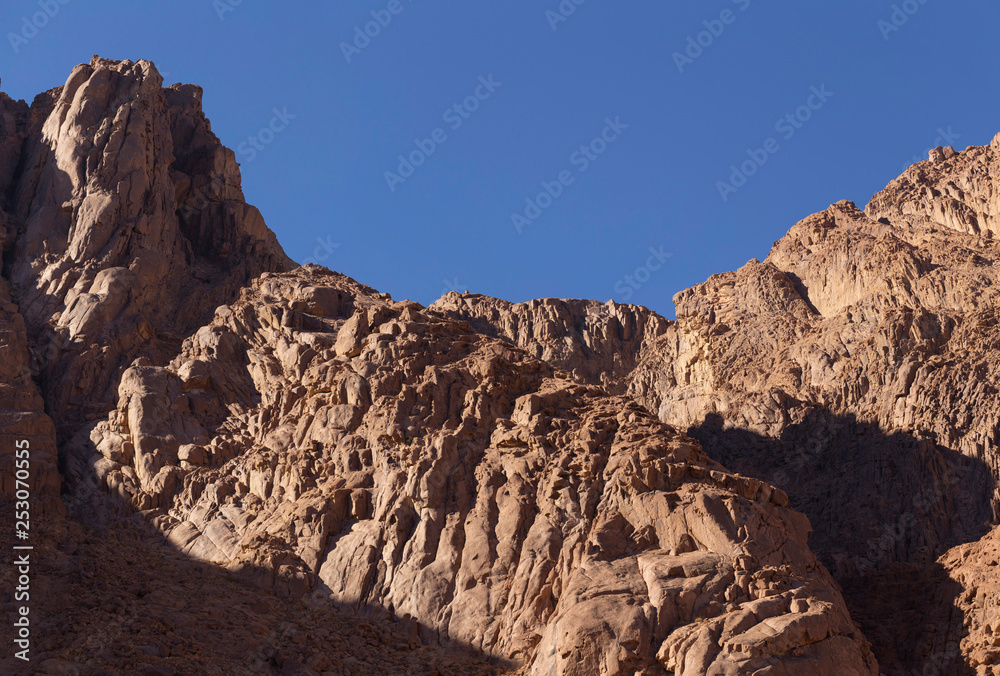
(556, 487)
(856, 367)
(599, 343)
(130, 228)
(316, 437)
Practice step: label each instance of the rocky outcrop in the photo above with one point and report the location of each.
(317, 437)
(856, 368)
(846, 354)
(972, 571)
(958, 191)
(24, 426)
(598, 343)
(130, 229)
(117, 601)
(28, 450)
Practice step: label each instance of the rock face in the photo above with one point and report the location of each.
(117, 601)
(22, 419)
(131, 228)
(856, 368)
(317, 436)
(22, 416)
(560, 486)
(598, 343)
(847, 362)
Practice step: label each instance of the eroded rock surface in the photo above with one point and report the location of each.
(319, 438)
(598, 343)
(130, 228)
(856, 367)
(117, 600)
(503, 478)
(22, 412)
(24, 426)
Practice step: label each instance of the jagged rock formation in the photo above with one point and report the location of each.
(316, 435)
(975, 588)
(848, 355)
(506, 478)
(856, 368)
(22, 418)
(598, 343)
(131, 228)
(118, 601)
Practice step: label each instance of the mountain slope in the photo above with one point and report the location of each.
(318, 436)
(857, 368)
(131, 228)
(561, 486)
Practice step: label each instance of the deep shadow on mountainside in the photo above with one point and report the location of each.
(229, 449)
(921, 500)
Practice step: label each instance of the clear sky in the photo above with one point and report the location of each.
(605, 127)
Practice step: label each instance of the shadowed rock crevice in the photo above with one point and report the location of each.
(884, 508)
(119, 599)
(872, 498)
(915, 617)
(879, 414)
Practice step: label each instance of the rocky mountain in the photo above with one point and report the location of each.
(796, 476)
(131, 228)
(597, 343)
(856, 368)
(318, 438)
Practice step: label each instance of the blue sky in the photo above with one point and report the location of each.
(608, 130)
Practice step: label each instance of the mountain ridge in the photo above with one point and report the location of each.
(543, 484)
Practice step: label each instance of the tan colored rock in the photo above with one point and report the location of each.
(595, 342)
(856, 369)
(413, 467)
(505, 477)
(118, 601)
(126, 230)
(132, 228)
